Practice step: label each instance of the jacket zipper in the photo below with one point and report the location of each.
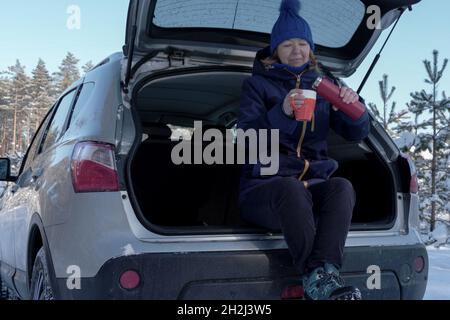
(304, 170)
(302, 137)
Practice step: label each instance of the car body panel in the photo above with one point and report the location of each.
(108, 232)
(256, 275)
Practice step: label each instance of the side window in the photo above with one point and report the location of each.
(30, 155)
(83, 98)
(58, 122)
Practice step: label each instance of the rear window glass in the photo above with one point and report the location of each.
(181, 133)
(333, 23)
(83, 98)
(55, 130)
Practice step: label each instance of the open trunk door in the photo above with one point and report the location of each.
(344, 31)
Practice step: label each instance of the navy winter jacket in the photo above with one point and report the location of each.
(261, 108)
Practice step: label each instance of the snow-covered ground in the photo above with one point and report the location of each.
(438, 287)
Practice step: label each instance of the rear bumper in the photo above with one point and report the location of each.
(256, 275)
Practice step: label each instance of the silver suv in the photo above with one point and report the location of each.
(99, 209)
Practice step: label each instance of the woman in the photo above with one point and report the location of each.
(312, 210)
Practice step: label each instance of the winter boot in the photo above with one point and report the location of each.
(325, 283)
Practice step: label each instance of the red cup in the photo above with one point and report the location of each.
(306, 110)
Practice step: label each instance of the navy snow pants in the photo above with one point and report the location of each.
(314, 221)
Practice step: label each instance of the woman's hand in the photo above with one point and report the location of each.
(297, 96)
(348, 95)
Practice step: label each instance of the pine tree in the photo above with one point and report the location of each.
(87, 67)
(393, 122)
(5, 111)
(67, 74)
(20, 99)
(42, 100)
(4, 90)
(432, 145)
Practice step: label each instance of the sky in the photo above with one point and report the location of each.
(417, 34)
(38, 29)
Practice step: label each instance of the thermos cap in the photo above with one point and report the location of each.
(317, 83)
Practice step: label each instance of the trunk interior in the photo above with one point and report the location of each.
(203, 198)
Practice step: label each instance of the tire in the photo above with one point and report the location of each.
(4, 292)
(40, 288)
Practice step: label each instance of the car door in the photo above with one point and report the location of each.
(52, 164)
(27, 198)
(24, 198)
(14, 206)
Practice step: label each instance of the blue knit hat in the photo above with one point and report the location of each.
(290, 25)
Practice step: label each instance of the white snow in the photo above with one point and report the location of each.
(3, 186)
(427, 155)
(438, 287)
(436, 198)
(128, 250)
(406, 139)
(440, 234)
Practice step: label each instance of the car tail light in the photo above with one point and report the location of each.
(419, 264)
(130, 280)
(94, 168)
(414, 184)
(292, 292)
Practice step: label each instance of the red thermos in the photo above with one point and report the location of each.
(331, 93)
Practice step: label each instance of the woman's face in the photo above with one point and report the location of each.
(294, 52)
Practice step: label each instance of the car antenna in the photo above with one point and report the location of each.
(130, 49)
(377, 57)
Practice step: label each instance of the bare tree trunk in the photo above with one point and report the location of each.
(14, 130)
(433, 165)
(3, 144)
(36, 126)
(19, 141)
(27, 138)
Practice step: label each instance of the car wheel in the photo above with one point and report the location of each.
(41, 288)
(4, 295)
